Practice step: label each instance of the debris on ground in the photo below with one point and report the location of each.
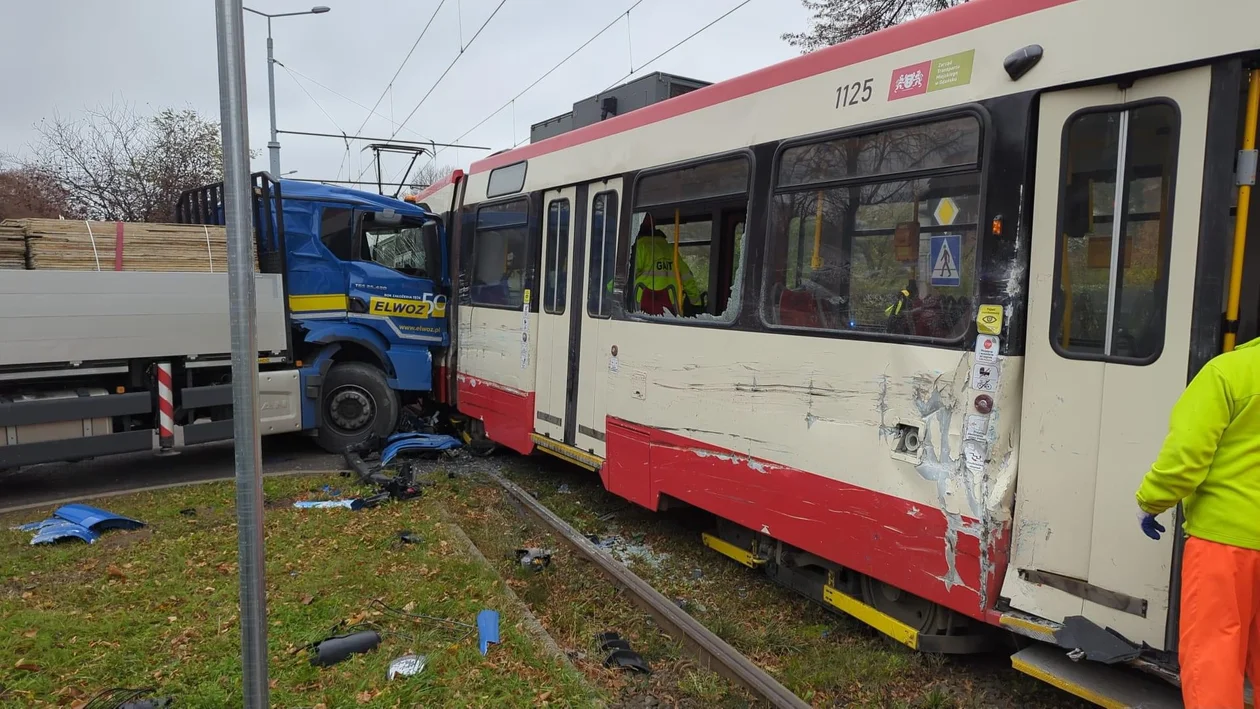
(487, 629)
(408, 537)
(124, 698)
(620, 654)
(563, 489)
(353, 504)
(533, 558)
(77, 522)
(406, 666)
(330, 651)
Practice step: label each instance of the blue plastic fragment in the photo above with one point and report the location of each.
(400, 442)
(36, 526)
(95, 519)
(60, 529)
(487, 629)
(354, 504)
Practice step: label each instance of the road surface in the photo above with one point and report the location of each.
(55, 481)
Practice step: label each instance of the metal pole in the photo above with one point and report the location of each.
(273, 147)
(248, 453)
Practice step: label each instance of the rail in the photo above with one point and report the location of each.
(712, 651)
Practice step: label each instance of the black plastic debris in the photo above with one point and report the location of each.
(337, 648)
(620, 655)
(534, 559)
(189, 512)
(409, 537)
(1094, 642)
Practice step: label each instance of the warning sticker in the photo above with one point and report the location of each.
(984, 377)
(945, 250)
(987, 347)
(977, 427)
(989, 320)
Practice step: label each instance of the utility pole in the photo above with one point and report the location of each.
(237, 207)
(273, 146)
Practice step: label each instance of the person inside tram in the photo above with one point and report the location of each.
(1210, 462)
(655, 285)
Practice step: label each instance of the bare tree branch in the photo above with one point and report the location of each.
(116, 164)
(836, 21)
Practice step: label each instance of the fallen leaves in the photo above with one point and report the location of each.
(366, 696)
(30, 633)
(115, 572)
(308, 599)
(25, 666)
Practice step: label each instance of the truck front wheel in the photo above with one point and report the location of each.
(356, 403)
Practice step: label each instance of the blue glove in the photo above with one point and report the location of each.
(1150, 526)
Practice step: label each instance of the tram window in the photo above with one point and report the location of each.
(697, 214)
(603, 255)
(506, 180)
(1112, 263)
(877, 254)
(557, 257)
(500, 244)
(949, 143)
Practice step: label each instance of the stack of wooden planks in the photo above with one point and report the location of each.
(66, 245)
(12, 247)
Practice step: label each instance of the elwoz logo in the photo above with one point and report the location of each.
(430, 306)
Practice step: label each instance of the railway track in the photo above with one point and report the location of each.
(710, 650)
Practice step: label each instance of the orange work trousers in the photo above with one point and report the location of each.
(1220, 623)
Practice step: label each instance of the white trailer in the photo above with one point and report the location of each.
(96, 363)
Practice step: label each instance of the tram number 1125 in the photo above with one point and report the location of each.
(853, 94)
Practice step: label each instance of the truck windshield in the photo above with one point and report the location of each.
(410, 247)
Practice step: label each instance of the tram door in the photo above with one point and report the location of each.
(1114, 238)
(597, 359)
(551, 391)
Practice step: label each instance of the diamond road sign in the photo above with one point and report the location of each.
(946, 211)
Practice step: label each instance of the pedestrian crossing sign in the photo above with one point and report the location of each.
(946, 249)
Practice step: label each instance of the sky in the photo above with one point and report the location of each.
(65, 56)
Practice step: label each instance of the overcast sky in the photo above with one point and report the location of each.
(61, 56)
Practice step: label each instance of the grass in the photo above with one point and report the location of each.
(575, 602)
(157, 607)
(828, 659)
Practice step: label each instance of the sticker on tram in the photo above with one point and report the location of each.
(977, 427)
(989, 320)
(932, 75)
(984, 377)
(987, 347)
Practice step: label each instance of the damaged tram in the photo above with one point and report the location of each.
(952, 276)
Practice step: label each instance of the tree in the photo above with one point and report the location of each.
(429, 174)
(836, 21)
(115, 164)
(25, 193)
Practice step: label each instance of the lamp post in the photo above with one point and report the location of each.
(273, 146)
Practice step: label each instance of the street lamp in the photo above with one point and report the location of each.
(273, 146)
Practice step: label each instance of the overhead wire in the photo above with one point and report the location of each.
(634, 70)
(683, 41)
(372, 110)
(550, 71)
(450, 66)
(312, 98)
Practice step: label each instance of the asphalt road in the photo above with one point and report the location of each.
(54, 481)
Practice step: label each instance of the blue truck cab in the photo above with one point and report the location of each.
(367, 284)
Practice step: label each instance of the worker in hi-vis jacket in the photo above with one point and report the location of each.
(1211, 462)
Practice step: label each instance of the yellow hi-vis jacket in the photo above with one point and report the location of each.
(654, 270)
(1211, 458)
